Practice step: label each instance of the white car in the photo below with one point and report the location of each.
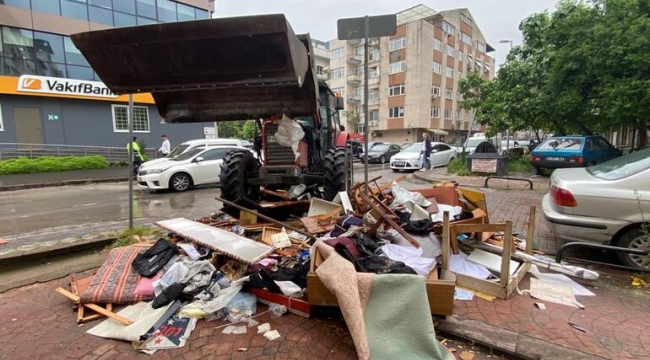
(192, 144)
(411, 159)
(197, 166)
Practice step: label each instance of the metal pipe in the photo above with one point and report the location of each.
(565, 247)
(366, 113)
(130, 161)
(277, 222)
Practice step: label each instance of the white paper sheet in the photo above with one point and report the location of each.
(460, 265)
(463, 294)
(578, 289)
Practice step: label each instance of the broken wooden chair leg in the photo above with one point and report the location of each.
(94, 307)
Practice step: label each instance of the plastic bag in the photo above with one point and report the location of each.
(277, 310)
(402, 195)
(289, 134)
(242, 306)
(289, 288)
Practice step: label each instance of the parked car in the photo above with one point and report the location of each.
(191, 144)
(357, 148)
(381, 153)
(474, 141)
(197, 166)
(370, 145)
(572, 151)
(411, 159)
(607, 203)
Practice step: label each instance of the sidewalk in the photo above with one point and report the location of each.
(27, 181)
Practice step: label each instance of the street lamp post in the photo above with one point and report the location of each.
(506, 41)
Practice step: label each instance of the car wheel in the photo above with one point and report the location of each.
(539, 171)
(382, 159)
(635, 238)
(180, 182)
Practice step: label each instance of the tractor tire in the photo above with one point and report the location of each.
(336, 166)
(237, 167)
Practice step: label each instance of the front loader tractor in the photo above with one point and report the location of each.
(228, 69)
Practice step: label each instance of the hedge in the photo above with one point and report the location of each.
(23, 165)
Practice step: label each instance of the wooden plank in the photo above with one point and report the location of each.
(530, 236)
(507, 253)
(95, 308)
(472, 228)
(445, 241)
(390, 221)
(275, 193)
(267, 232)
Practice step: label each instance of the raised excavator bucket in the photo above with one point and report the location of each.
(208, 70)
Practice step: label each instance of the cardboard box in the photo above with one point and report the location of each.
(440, 290)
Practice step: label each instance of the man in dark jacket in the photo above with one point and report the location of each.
(426, 152)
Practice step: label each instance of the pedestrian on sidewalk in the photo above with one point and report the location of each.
(166, 146)
(137, 155)
(426, 152)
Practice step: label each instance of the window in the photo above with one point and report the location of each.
(480, 46)
(448, 114)
(466, 38)
(374, 115)
(396, 44)
(147, 8)
(122, 20)
(396, 90)
(460, 74)
(373, 95)
(435, 112)
(319, 70)
(467, 20)
(185, 12)
(74, 9)
(451, 51)
(72, 54)
(374, 55)
(201, 14)
(360, 70)
(80, 72)
(337, 53)
(337, 73)
(450, 72)
(461, 55)
(17, 43)
(359, 50)
(397, 67)
(359, 90)
(216, 154)
(457, 114)
(106, 4)
(435, 90)
(49, 47)
(166, 11)
(121, 118)
(437, 68)
(448, 28)
(449, 93)
(396, 112)
(127, 6)
(145, 21)
(100, 15)
(17, 3)
(46, 6)
(437, 45)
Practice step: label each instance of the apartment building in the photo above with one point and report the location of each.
(48, 92)
(413, 76)
(321, 58)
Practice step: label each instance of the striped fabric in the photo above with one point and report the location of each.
(116, 280)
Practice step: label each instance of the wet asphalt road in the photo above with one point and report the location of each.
(32, 210)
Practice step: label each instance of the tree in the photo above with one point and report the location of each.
(248, 130)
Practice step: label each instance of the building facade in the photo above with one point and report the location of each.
(48, 92)
(413, 76)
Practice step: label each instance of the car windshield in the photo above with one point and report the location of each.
(562, 144)
(473, 142)
(622, 167)
(178, 150)
(379, 147)
(413, 148)
(188, 155)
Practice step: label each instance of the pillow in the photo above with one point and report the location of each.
(116, 280)
(145, 286)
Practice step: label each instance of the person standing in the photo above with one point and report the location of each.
(426, 152)
(166, 146)
(137, 155)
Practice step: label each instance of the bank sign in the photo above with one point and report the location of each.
(62, 86)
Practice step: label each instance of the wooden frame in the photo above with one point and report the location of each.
(506, 284)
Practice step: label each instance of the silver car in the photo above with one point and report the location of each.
(608, 203)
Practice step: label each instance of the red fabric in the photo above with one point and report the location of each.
(349, 244)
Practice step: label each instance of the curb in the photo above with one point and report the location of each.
(430, 179)
(59, 249)
(508, 341)
(60, 183)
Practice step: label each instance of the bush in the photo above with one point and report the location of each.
(25, 165)
(459, 167)
(520, 166)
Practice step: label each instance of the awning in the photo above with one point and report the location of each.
(438, 131)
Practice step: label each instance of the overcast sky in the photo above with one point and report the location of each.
(497, 19)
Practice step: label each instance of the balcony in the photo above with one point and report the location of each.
(354, 79)
(373, 82)
(322, 77)
(373, 102)
(354, 99)
(355, 60)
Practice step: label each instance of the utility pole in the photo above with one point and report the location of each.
(130, 115)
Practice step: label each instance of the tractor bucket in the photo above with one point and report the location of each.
(208, 70)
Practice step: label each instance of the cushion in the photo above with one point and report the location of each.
(145, 285)
(116, 280)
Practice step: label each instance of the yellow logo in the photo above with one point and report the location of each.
(31, 83)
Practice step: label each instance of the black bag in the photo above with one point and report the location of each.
(172, 293)
(374, 263)
(149, 262)
(419, 227)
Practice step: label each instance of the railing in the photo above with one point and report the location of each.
(112, 154)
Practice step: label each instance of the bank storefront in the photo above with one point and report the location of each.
(51, 110)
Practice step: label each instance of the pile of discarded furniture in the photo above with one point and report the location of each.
(382, 253)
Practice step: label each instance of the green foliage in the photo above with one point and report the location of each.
(582, 68)
(25, 165)
(248, 131)
(243, 129)
(520, 166)
(458, 167)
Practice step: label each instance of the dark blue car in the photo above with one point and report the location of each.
(572, 151)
